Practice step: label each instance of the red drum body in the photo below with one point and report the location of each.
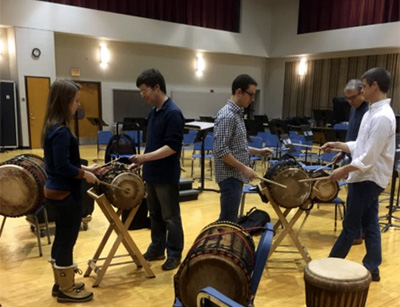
(288, 173)
(222, 256)
(118, 175)
(22, 180)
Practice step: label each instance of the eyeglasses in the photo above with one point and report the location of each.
(353, 97)
(145, 91)
(248, 93)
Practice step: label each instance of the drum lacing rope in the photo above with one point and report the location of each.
(221, 234)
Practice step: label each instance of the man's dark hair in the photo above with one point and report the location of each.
(379, 75)
(152, 77)
(243, 82)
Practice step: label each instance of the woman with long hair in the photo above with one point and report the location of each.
(63, 187)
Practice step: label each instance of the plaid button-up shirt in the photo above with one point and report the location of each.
(230, 137)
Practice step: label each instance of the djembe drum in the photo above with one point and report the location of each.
(22, 179)
(222, 257)
(336, 282)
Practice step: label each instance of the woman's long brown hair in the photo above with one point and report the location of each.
(62, 92)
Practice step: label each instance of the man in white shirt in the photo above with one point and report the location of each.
(369, 172)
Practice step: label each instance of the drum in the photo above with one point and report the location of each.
(335, 282)
(222, 257)
(22, 181)
(323, 190)
(118, 175)
(288, 172)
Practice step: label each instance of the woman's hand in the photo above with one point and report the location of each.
(91, 178)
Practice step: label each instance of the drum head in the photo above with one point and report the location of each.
(296, 193)
(323, 190)
(124, 199)
(216, 271)
(18, 191)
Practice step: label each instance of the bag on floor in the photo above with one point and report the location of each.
(254, 219)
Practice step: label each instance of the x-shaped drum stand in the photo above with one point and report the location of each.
(122, 236)
(287, 225)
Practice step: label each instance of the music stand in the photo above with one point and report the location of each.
(202, 128)
(137, 124)
(307, 132)
(97, 121)
(278, 127)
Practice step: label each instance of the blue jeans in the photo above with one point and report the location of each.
(361, 213)
(166, 223)
(68, 221)
(231, 193)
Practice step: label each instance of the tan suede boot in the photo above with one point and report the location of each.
(67, 292)
(56, 286)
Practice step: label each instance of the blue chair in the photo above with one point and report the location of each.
(188, 142)
(211, 297)
(256, 142)
(133, 134)
(208, 147)
(247, 189)
(341, 126)
(103, 137)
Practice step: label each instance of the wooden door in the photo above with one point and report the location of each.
(91, 105)
(37, 91)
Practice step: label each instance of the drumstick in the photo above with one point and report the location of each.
(311, 146)
(115, 187)
(323, 166)
(108, 163)
(270, 181)
(313, 179)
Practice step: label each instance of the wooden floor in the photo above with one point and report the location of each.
(26, 278)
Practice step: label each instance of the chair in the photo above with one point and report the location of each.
(209, 296)
(208, 147)
(247, 189)
(188, 142)
(133, 134)
(103, 137)
(34, 221)
(256, 142)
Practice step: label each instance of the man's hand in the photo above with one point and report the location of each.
(249, 173)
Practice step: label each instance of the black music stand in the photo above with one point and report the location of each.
(137, 124)
(396, 174)
(97, 121)
(202, 128)
(279, 128)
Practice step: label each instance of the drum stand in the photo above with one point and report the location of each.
(122, 236)
(287, 225)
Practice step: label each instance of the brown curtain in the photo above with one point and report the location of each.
(326, 79)
(322, 15)
(221, 14)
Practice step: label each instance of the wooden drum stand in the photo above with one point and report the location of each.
(287, 225)
(122, 236)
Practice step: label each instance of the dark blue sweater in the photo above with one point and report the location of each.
(63, 162)
(164, 127)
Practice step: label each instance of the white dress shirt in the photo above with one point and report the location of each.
(373, 150)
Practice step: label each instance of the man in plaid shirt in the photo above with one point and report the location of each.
(230, 149)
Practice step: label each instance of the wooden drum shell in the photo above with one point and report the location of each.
(22, 180)
(335, 282)
(222, 256)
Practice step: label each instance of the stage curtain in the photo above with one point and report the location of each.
(220, 15)
(326, 79)
(323, 15)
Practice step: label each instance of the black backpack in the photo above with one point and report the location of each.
(254, 220)
(120, 144)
